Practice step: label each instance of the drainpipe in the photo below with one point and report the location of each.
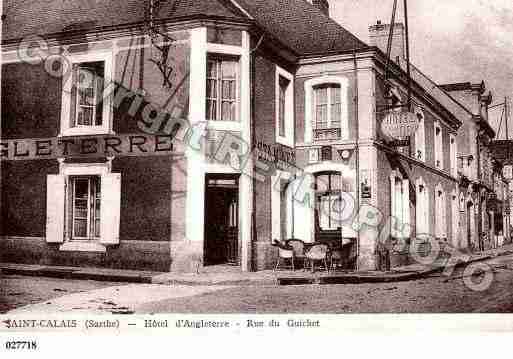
(357, 153)
(480, 206)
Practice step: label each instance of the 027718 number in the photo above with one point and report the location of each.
(21, 345)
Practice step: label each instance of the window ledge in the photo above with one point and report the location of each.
(83, 246)
(86, 131)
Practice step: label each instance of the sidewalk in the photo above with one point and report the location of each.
(232, 276)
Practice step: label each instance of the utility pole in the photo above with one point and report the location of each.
(506, 115)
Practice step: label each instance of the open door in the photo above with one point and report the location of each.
(222, 220)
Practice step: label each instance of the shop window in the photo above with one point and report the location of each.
(326, 109)
(420, 136)
(439, 148)
(86, 107)
(441, 216)
(222, 88)
(284, 107)
(328, 188)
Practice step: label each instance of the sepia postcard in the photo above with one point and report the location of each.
(244, 166)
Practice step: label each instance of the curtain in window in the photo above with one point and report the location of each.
(221, 90)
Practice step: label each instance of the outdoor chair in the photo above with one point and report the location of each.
(298, 247)
(336, 255)
(318, 253)
(285, 252)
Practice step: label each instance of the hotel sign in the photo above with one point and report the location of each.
(283, 157)
(399, 126)
(86, 146)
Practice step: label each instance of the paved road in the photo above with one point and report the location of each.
(436, 294)
(17, 291)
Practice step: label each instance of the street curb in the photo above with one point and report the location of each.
(81, 274)
(362, 279)
(153, 277)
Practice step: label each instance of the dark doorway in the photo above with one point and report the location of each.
(469, 225)
(222, 220)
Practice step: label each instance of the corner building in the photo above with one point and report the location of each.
(280, 103)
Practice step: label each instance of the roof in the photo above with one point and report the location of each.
(295, 23)
(301, 26)
(44, 17)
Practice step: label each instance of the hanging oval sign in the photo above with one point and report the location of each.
(399, 125)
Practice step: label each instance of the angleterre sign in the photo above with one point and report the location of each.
(87, 146)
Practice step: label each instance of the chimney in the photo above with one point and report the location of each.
(379, 37)
(322, 5)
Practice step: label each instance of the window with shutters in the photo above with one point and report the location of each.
(422, 210)
(86, 106)
(400, 204)
(83, 207)
(222, 88)
(441, 213)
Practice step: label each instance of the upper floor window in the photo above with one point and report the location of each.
(439, 147)
(453, 148)
(420, 136)
(87, 94)
(326, 109)
(222, 88)
(86, 108)
(284, 107)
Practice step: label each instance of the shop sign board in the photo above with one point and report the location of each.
(87, 147)
(399, 126)
(281, 156)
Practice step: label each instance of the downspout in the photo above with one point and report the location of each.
(357, 160)
(480, 206)
(252, 147)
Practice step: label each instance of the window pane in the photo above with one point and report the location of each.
(336, 182)
(323, 183)
(80, 228)
(212, 69)
(211, 88)
(211, 110)
(284, 83)
(221, 89)
(228, 69)
(85, 116)
(89, 84)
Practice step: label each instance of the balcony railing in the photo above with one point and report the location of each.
(327, 134)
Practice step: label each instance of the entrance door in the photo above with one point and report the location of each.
(222, 220)
(470, 213)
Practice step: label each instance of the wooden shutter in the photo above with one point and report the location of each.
(55, 204)
(301, 210)
(110, 208)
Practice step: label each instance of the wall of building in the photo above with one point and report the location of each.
(152, 189)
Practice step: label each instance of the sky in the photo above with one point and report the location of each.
(450, 40)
